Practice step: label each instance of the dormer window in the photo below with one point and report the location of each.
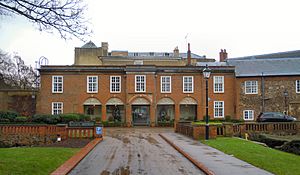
(167, 54)
(151, 53)
(135, 54)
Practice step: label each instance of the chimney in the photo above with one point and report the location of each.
(104, 46)
(176, 52)
(223, 55)
(189, 55)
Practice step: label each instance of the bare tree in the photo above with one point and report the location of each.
(64, 16)
(15, 74)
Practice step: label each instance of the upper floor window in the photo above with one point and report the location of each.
(165, 84)
(218, 109)
(297, 86)
(248, 114)
(57, 108)
(140, 83)
(218, 84)
(92, 84)
(57, 84)
(188, 84)
(115, 84)
(251, 87)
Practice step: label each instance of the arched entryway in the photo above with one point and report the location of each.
(115, 110)
(188, 109)
(92, 107)
(140, 109)
(165, 110)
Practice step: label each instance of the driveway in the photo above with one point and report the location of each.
(135, 151)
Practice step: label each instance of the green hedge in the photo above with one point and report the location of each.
(8, 116)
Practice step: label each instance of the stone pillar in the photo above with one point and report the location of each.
(228, 129)
(103, 111)
(152, 115)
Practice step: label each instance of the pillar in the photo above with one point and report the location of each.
(152, 115)
(128, 116)
(103, 111)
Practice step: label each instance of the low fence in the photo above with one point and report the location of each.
(19, 135)
(237, 129)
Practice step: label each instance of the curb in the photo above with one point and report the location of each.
(194, 161)
(73, 161)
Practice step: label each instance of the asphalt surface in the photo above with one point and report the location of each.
(135, 151)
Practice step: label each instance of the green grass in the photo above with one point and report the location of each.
(33, 160)
(277, 162)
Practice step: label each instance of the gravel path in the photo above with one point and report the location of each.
(135, 151)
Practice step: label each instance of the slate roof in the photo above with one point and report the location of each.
(274, 66)
(288, 54)
(89, 44)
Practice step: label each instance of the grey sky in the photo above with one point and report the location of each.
(242, 27)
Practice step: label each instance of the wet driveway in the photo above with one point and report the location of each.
(135, 151)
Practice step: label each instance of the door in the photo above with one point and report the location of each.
(140, 114)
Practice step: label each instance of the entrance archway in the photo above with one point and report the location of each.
(140, 108)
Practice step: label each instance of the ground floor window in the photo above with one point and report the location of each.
(115, 113)
(92, 110)
(218, 109)
(140, 114)
(57, 108)
(188, 112)
(165, 112)
(248, 114)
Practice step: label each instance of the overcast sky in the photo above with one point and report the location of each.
(241, 27)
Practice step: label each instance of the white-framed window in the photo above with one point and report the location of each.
(57, 108)
(248, 114)
(251, 87)
(218, 109)
(57, 84)
(140, 83)
(297, 86)
(115, 84)
(92, 84)
(165, 84)
(188, 84)
(218, 84)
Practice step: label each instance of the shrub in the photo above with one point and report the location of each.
(227, 118)
(10, 115)
(21, 119)
(66, 118)
(46, 118)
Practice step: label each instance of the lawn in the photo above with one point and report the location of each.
(277, 162)
(33, 160)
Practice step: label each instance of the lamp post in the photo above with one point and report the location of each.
(285, 94)
(206, 75)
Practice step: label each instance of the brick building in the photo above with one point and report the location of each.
(143, 88)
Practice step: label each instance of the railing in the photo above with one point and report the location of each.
(185, 129)
(80, 132)
(220, 130)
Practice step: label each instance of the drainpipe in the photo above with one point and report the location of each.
(263, 92)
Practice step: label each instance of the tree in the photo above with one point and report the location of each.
(64, 16)
(15, 74)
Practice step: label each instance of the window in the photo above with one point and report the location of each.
(248, 114)
(188, 84)
(57, 84)
(165, 84)
(251, 87)
(218, 84)
(297, 86)
(92, 84)
(140, 83)
(115, 83)
(57, 108)
(218, 109)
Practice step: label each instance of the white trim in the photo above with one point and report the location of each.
(297, 86)
(161, 83)
(110, 84)
(244, 114)
(52, 108)
(87, 84)
(214, 88)
(252, 87)
(223, 109)
(192, 91)
(62, 84)
(135, 85)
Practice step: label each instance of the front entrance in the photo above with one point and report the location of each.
(140, 115)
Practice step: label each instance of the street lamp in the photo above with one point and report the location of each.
(206, 75)
(285, 94)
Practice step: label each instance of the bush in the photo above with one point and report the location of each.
(227, 118)
(46, 118)
(10, 115)
(21, 119)
(112, 123)
(66, 118)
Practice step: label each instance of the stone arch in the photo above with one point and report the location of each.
(188, 101)
(114, 101)
(165, 101)
(145, 97)
(92, 101)
(140, 101)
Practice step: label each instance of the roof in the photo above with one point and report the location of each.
(252, 66)
(163, 54)
(287, 54)
(89, 44)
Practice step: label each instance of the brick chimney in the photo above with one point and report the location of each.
(176, 52)
(223, 55)
(189, 55)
